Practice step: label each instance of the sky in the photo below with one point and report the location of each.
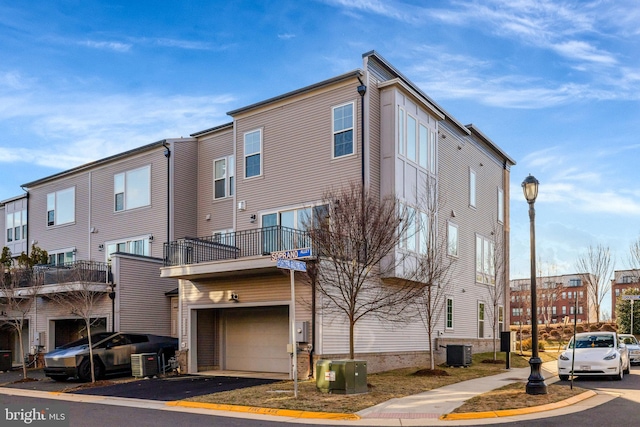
(554, 83)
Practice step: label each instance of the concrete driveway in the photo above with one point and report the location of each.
(169, 388)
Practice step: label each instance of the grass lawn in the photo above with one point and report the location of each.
(382, 387)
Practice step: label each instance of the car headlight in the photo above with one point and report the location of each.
(563, 357)
(610, 357)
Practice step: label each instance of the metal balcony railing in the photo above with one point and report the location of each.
(234, 245)
(77, 271)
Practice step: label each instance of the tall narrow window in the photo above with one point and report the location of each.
(472, 188)
(481, 320)
(452, 239)
(401, 140)
(132, 189)
(61, 207)
(423, 147)
(231, 173)
(220, 179)
(501, 317)
(411, 229)
(485, 254)
(9, 220)
(343, 130)
(411, 138)
(500, 205)
(253, 154)
(449, 314)
(432, 152)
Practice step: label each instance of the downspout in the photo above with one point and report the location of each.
(167, 154)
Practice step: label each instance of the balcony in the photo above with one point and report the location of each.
(72, 272)
(230, 253)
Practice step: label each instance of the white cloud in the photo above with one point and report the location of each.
(286, 36)
(105, 45)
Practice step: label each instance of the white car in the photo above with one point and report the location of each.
(632, 346)
(596, 354)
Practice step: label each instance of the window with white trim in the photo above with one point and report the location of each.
(449, 314)
(411, 138)
(275, 239)
(16, 225)
(61, 207)
(500, 205)
(343, 130)
(253, 153)
(225, 237)
(135, 246)
(485, 252)
(452, 239)
(132, 189)
(472, 188)
(481, 315)
(223, 174)
(62, 257)
(500, 318)
(401, 140)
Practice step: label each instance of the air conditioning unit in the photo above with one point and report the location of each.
(459, 355)
(144, 364)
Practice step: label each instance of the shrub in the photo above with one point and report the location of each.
(593, 328)
(579, 329)
(526, 344)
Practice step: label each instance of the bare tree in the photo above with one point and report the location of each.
(20, 287)
(634, 257)
(356, 249)
(433, 265)
(497, 285)
(80, 295)
(595, 269)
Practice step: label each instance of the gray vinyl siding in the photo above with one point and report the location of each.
(141, 303)
(375, 141)
(272, 289)
(297, 152)
(94, 208)
(457, 154)
(184, 191)
(219, 211)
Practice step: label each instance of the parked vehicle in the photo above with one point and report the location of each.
(632, 346)
(111, 354)
(596, 353)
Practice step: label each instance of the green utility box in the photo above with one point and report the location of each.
(342, 376)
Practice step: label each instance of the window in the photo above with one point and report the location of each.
(481, 320)
(575, 282)
(275, 239)
(617, 292)
(400, 131)
(553, 310)
(224, 237)
(472, 188)
(132, 189)
(135, 246)
(411, 230)
(62, 257)
(253, 153)
(9, 222)
(500, 318)
(423, 147)
(485, 268)
(449, 316)
(343, 130)
(411, 138)
(564, 309)
(432, 152)
(61, 207)
(223, 174)
(500, 205)
(452, 239)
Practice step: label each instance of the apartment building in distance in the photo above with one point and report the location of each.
(623, 280)
(562, 298)
(184, 228)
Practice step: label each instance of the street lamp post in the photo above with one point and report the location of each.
(536, 384)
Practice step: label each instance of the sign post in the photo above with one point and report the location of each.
(289, 260)
(631, 299)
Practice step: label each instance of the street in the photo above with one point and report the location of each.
(96, 412)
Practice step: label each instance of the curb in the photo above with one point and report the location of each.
(266, 411)
(522, 411)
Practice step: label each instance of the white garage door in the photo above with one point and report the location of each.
(256, 339)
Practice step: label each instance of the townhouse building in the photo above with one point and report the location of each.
(266, 170)
(622, 281)
(103, 225)
(178, 234)
(559, 298)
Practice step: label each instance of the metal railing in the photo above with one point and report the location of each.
(77, 271)
(233, 245)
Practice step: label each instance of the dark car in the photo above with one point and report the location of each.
(111, 354)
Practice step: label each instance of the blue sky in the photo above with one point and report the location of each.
(556, 84)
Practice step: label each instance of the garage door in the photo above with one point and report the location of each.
(256, 339)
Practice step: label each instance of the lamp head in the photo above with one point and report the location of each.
(530, 188)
